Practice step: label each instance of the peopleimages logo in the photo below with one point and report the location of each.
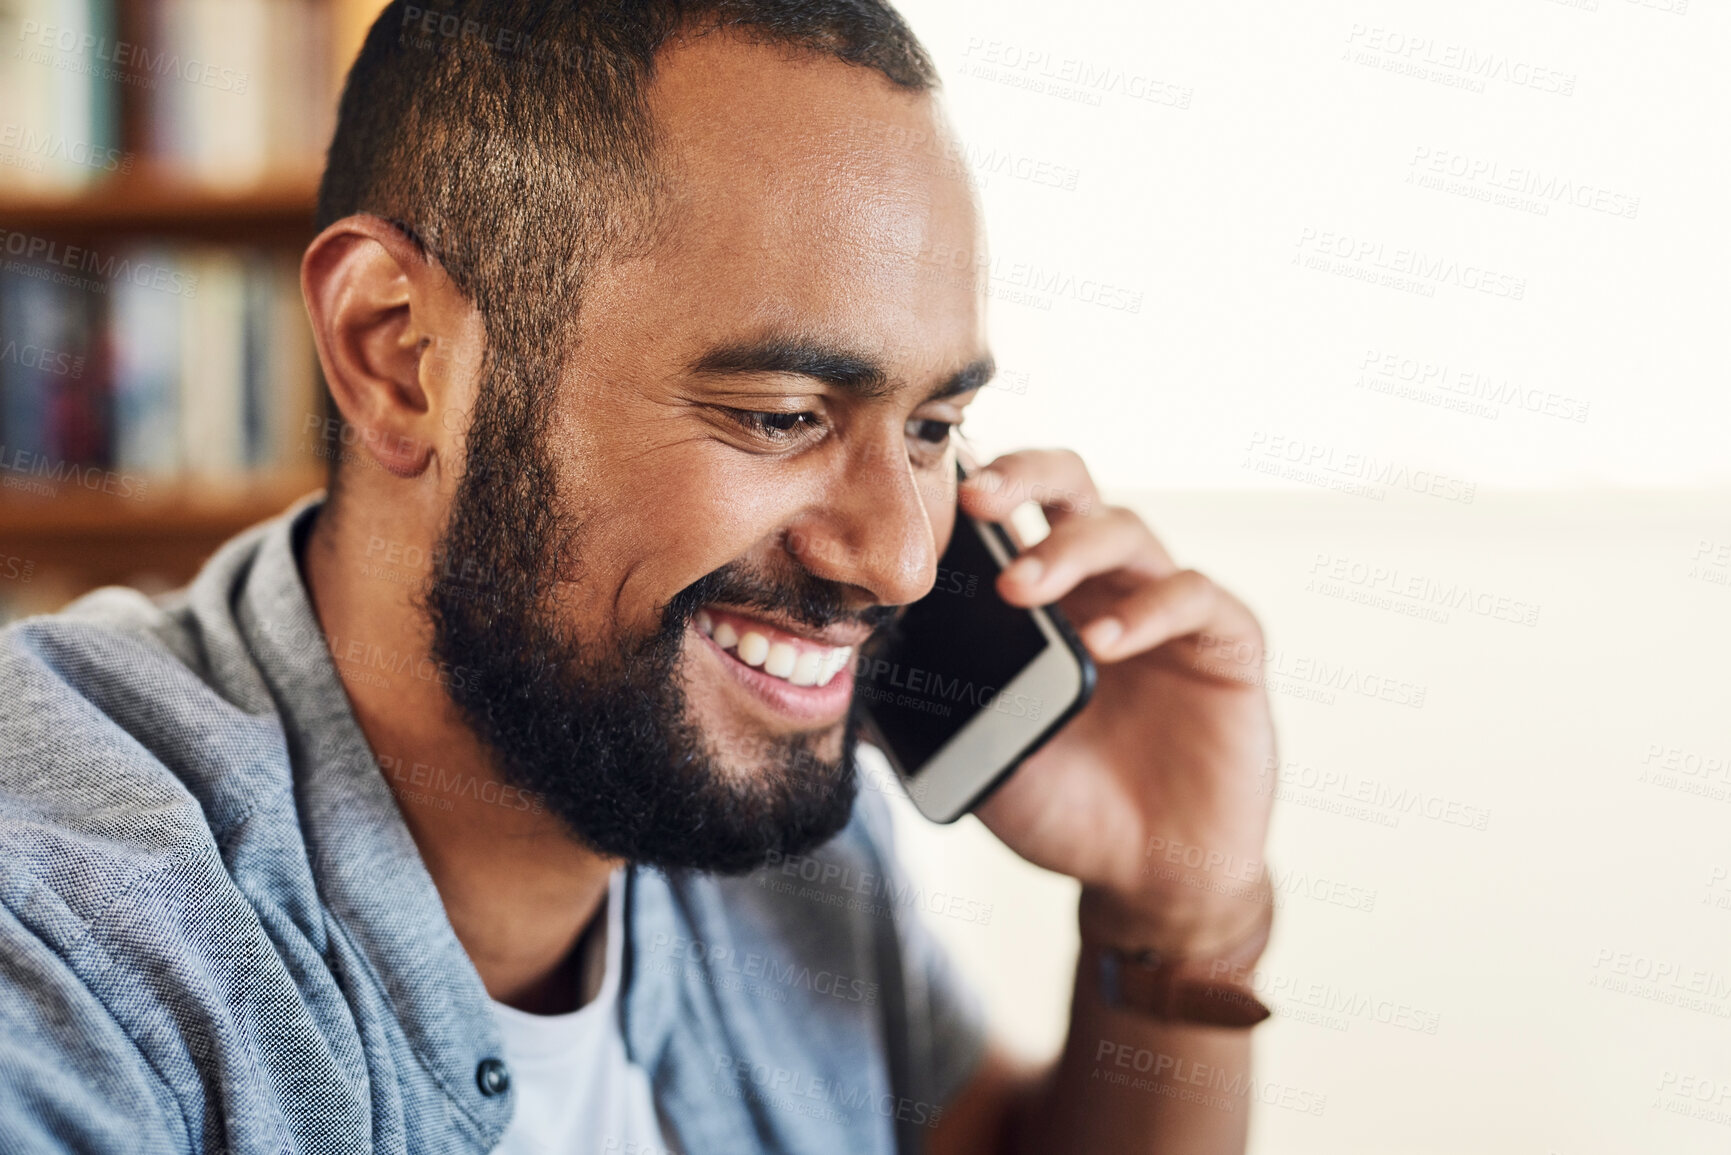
(935, 692)
(17, 466)
(42, 146)
(717, 959)
(1066, 77)
(1544, 189)
(50, 256)
(421, 25)
(1384, 586)
(797, 1091)
(1461, 388)
(1355, 473)
(447, 785)
(1187, 1079)
(1027, 283)
(833, 884)
(1371, 258)
(368, 661)
(43, 360)
(1457, 65)
(1280, 670)
(1355, 796)
(128, 58)
(1329, 1001)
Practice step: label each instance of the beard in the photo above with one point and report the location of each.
(602, 730)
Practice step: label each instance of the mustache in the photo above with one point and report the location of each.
(807, 599)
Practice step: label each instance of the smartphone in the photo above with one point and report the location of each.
(963, 687)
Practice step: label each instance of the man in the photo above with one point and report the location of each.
(443, 814)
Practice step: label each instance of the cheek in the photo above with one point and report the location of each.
(661, 535)
(941, 509)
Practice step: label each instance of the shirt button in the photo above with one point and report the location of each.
(492, 1077)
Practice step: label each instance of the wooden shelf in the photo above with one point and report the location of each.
(93, 538)
(279, 210)
(176, 505)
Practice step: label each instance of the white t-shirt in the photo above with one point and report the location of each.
(577, 1093)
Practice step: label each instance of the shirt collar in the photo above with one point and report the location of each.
(368, 870)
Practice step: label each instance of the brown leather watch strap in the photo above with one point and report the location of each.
(1206, 990)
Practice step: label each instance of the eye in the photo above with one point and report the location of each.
(930, 431)
(777, 428)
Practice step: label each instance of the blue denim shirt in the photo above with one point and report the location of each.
(216, 933)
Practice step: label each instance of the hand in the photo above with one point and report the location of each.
(1152, 796)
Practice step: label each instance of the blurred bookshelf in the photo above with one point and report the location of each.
(159, 391)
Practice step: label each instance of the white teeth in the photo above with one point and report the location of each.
(807, 669)
(753, 648)
(832, 667)
(780, 660)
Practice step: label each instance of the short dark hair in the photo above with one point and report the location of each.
(510, 138)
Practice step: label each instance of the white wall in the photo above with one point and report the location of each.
(1612, 532)
(1193, 216)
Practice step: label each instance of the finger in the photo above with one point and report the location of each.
(1054, 479)
(1113, 540)
(1178, 606)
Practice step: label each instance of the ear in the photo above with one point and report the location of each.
(377, 304)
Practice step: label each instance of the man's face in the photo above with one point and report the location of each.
(747, 465)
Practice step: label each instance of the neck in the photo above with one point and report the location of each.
(518, 889)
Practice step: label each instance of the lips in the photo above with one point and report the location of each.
(789, 657)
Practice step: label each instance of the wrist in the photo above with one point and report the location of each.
(1211, 986)
(1183, 927)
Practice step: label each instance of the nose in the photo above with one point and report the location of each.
(871, 528)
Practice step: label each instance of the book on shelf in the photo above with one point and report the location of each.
(145, 328)
(227, 92)
(129, 358)
(59, 119)
(143, 357)
(252, 94)
(204, 369)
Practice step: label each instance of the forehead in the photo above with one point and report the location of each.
(806, 195)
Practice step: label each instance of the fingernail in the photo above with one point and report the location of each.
(1026, 570)
(1103, 633)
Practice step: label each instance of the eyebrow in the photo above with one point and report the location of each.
(859, 375)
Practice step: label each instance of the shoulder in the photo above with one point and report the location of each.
(71, 1076)
(105, 713)
(114, 651)
(137, 724)
(120, 918)
(87, 692)
(92, 824)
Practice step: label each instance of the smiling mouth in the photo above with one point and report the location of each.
(796, 660)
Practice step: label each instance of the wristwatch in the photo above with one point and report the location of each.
(1211, 990)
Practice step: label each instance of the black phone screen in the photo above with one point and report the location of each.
(948, 655)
